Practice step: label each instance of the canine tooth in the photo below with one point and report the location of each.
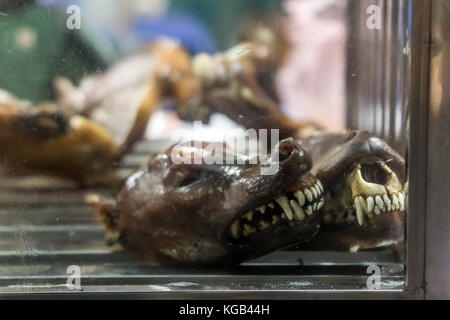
(376, 210)
(283, 201)
(380, 203)
(359, 211)
(363, 203)
(309, 210)
(370, 204)
(401, 199)
(320, 185)
(387, 202)
(271, 205)
(301, 197)
(299, 213)
(395, 203)
(314, 192)
(261, 209)
(235, 229)
(308, 195)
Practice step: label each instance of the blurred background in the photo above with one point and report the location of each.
(36, 46)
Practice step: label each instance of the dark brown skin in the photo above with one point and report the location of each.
(334, 155)
(181, 213)
(333, 152)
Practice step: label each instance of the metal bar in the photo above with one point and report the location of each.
(437, 242)
(417, 160)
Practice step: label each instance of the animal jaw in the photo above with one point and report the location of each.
(364, 195)
(176, 213)
(357, 199)
(293, 208)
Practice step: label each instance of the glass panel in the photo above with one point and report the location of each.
(250, 144)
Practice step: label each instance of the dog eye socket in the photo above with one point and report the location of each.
(374, 173)
(191, 178)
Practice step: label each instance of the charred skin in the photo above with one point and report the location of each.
(230, 83)
(186, 214)
(43, 139)
(356, 165)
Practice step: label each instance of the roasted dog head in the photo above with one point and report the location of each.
(364, 179)
(183, 213)
(45, 139)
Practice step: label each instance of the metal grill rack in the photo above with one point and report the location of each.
(45, 227)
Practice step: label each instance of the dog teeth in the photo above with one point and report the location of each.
(380, 203)
(263, 224)
(283, 201)
(363, 203)
(395, 204)
(301, 197)
(401, 199)
(275, 219)
(387, 202)
(299, 213)
(370, 204)
(359, 210)
(316, 187)
(313, 191)
(377, 210)
(321, 203)
(261, 209)
(292, 209)
(308, 195)
(320, 185)
(248, 215)
(248, 230)
(377, 204)
(235, 229)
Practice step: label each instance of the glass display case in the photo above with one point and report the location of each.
(320, 130)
